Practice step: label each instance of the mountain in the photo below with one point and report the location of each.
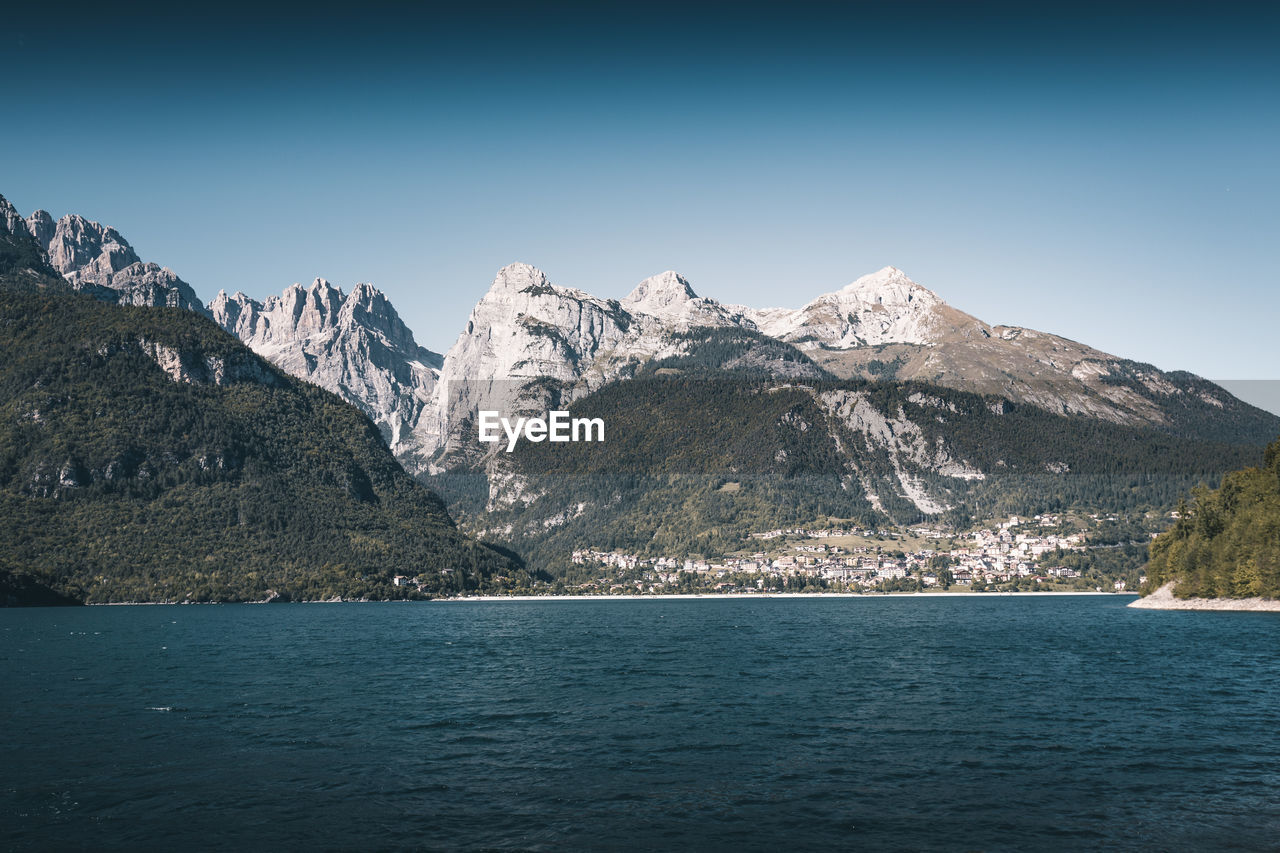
(530, 344)
(877, 402)
(884, 307)
(147, 455)
(526, 332)
(1226, 543)
(670, 297)
(695, 462)
(96, 258)
(913, 409)
(882, 326)
(885, 326)
(354, 345)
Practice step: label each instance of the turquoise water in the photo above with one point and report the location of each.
(771, 724)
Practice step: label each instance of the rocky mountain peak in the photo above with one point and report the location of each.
(88, 250)
(227, 309)
(42, 227)
(517, 277)
(354, 345)
(368, 307)
(883, 307)
(97, 258)
(888, 286)
(10, 219)
(660, 294)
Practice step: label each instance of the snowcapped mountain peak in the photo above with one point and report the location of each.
(883, 275)
(660, 294)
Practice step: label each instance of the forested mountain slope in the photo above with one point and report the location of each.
(694, 462)
(146, 455)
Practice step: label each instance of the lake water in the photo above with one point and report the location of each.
(770, 724)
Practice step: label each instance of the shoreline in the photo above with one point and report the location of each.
(629, 597)
(739, 595)
(1164, 599)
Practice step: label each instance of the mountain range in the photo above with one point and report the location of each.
(903, 396)
(147, 455)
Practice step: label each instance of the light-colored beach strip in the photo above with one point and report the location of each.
(1164, 599)
(716, 595)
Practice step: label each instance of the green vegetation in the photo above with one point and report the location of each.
(119, 482)
(694, 463)
(1226, 544)
(715, 350)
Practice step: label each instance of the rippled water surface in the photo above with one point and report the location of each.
(775, 724)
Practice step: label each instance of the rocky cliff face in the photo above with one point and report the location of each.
(20, 257)
(529, 343)
(670, 298)
(97, 258)
(353, 344)
(10, 220)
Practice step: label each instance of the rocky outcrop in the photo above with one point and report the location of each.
(196, 368)
(671, 299)
(97, 258)
(10, 220)
(355, 345)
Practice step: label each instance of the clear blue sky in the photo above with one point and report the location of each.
(1104, 173)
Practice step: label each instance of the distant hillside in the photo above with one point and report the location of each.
(1226, 544)
(146, 455)
(695, 462)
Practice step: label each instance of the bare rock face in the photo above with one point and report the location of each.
(96, 257)
(10, 220)
(883, 307)
(522, 331)
(526, 330)
(355, 345)
(41, 226)
(195, 368)
(670, 298)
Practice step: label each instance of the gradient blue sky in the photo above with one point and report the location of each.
(1108, 174)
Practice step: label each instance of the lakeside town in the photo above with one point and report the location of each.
(1048, 552)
